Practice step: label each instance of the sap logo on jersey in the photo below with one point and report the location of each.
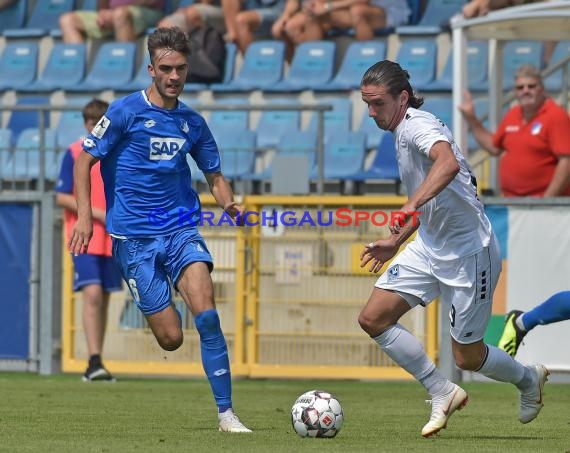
(165, 148)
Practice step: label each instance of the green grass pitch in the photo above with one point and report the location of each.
(59, 414)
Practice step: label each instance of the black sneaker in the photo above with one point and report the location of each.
(512, 336)
(97, 373)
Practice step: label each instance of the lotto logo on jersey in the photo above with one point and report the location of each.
(165, 148)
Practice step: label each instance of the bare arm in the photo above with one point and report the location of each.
(483, 136)
(83, 229)
(68, 201)
(223, 194)
(442, 172)
(560, 179)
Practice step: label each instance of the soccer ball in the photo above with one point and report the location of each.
(317, 413)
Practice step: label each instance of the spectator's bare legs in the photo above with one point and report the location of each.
(246, 24)
(185, 18)
(123, 24)
(301, 28)
(95, 305)
(72, 28)
(365, 19)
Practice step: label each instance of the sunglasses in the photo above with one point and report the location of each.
(530, 86)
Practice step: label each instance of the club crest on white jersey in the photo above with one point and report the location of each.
(165, 148)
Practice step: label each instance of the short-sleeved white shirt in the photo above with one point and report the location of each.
(453, 224)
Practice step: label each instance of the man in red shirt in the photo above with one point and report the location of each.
(532, 140)
(95, 273)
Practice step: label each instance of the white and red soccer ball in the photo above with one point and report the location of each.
(317, 413)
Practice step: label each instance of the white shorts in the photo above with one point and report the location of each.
(464, 285)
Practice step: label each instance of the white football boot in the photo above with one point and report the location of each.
(229, 422)
(531, 400)
(442, 407)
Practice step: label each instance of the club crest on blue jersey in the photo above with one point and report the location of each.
(165, 148)
(184, 127)
(101, 127)
(393, 272)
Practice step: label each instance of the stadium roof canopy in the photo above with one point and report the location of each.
(542, 21)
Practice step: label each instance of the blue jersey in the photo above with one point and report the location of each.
(143, 150)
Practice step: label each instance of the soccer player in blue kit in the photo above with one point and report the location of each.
(142, 142)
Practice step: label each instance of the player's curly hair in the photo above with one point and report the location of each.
(172, 38)
(395, 79)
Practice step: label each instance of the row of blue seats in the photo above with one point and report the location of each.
(344, 155)
(263, 67)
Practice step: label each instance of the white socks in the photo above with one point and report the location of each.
(405, 349)
(500, 366)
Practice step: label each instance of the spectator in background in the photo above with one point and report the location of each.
(196, 15)
(95, 273)
(312, 19)
(6, 3)
(532, 140)
(242, 21)
(123, 20)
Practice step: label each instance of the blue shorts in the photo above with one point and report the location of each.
(151, 265)
(96, 270)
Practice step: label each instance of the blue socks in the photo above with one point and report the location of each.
(215, 357)
(554, 309)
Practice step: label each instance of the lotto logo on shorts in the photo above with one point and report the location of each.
(165, 148)
(393, 272)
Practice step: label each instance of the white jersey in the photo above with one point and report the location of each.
(453, 224)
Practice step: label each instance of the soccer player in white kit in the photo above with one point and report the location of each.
(454, 256)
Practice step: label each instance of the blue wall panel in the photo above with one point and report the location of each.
(15, 245)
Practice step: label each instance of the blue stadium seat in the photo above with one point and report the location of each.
(359, 56)
(14, 16)
(112, 69)
(141, 79)
(5, 153)
(419, 58)
(337, 119)
(312, 66)
(441, 107)
(262, 67)
(25, 163)
(227, 122)
(90, 5)
(384, 166)
(373, 132)
(237, 153)
(20, 120)
(273, 123)
(554, 81)
(18, 65)
(229, 69)
(292, 143)
(344, 155)
(517, 53)
(434, 19)
(43, 19)
(477, 63)
(70, 127)
(65, 68)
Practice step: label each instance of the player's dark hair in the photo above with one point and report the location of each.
(94, 110)
(395, 79)
(172, 38)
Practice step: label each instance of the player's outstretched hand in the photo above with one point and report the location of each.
(235, 211)
(80, 237)
(377, 253)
